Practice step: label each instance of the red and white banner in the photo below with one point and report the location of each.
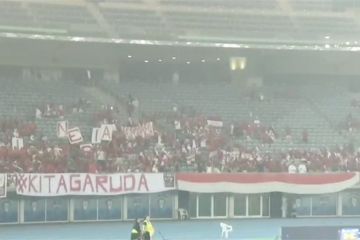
(266, 182)
(92, 184)
(3, 185)
(144, 130)
(127, 183)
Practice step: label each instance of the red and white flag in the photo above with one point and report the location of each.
(267, 182)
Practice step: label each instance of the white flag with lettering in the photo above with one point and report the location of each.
(74, 135)
(17, 143)
(62, 128)
(95, 136)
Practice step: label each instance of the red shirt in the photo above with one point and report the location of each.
(92, 168)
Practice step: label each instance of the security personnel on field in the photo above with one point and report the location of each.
(148, 229)
(136, 231)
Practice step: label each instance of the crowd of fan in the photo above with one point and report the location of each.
(182, 141)
(51, 110)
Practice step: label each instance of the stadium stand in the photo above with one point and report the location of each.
(62, 16)
(12, 13)
(216, 110)
(244, 4)
(284, 123)
(134, 22)
(306, 5)
(168, 20)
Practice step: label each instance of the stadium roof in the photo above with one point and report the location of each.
(310, 24)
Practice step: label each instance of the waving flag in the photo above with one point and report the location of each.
(267, 182)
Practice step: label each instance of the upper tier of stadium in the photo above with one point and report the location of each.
(269, 21)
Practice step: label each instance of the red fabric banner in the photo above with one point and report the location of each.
(267, 182)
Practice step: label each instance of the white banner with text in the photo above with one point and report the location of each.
(144, 130)
(31, 184)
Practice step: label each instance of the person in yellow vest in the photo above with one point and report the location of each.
(149, 230)
(136, 231)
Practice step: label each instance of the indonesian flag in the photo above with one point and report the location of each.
(267, 182)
